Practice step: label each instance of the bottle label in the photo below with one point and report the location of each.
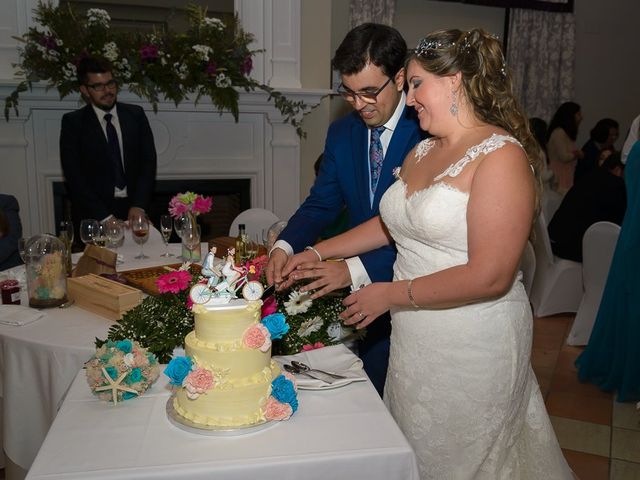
(15, 297)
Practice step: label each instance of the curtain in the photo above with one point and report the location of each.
(376, 11)
(540, 53)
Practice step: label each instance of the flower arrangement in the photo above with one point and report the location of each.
(189, 202)
(160, 322)
(211, 59)
(121, 370)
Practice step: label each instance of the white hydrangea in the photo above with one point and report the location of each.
(312, 325)
(214, 23)
(222, 81)
(203, 52)
(98, 17)
(110, 51)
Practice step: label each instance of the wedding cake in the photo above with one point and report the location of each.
(228, 378)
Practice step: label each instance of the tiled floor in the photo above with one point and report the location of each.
(600, 437)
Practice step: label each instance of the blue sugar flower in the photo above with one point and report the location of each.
(112, 372)
(276, 324)
(282, 389)
(128, 395)
(178, 369)
(125, 345)
(135, 376)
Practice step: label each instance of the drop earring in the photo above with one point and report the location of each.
(454, 103)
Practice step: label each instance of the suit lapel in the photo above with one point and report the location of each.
(360, 154)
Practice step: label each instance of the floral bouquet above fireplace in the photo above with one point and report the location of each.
(189, 202)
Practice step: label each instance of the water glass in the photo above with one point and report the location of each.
(166, 226)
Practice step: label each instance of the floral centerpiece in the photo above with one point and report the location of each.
(211, 59)
(189, 202)
(121, 370)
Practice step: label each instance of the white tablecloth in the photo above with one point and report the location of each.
(39, 361)
(344, 433)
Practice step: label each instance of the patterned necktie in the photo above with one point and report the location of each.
(376, 157)
(114, 153)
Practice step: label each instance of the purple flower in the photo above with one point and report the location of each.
(247, 65)
(49, 42)
(148, 53)
(212, 68)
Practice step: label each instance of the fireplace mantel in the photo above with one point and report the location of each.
(192, 141)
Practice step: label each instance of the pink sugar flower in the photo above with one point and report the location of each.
(308, 346)
(173, 282)
(257, 336)
(198, 382)
(275, 410)
(269, 306)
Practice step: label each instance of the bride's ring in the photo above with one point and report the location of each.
(361, 315)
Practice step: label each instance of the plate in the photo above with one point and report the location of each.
(211, 430)
(331, 386)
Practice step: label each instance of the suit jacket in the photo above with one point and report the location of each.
(87, 166)
(343, 180)
(598, 196)
(9, 255)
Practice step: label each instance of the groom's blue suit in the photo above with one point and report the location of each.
(343, 180)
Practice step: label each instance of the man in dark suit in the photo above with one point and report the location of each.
(107, 150)
(10, 231)
(361, 151)
(598, 196)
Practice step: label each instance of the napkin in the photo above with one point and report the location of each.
(18, 315)
(335, 359)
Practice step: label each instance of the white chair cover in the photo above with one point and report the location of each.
(557, 283)
(551, 200)
(598, 245)
(528, 266)
(255, 220)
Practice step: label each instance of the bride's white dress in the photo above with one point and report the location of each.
(460, 383)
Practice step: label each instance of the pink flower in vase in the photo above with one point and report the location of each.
(275, 410)
(176, 207)
(173, 282)
(308, 346)
(202, 204)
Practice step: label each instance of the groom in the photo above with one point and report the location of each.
(361, 151)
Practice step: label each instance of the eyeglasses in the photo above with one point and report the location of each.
(99, 87)
(367, 96)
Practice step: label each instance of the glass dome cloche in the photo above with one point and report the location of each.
(45, 262)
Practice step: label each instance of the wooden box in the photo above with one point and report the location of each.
(103, 296)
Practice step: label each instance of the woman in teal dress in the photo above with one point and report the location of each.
(611, 360)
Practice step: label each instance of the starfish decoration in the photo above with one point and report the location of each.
(115, 385)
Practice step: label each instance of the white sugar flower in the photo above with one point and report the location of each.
(298, 302)
(98, 16)
(310, 326)
(213, 22)
(222, 81)
(129, 360)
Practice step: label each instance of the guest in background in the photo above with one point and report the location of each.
(602, 137)
(361, 151)
(561, 144)
(10, 231)
(598, 196)
(611, 359)
(107, 150)
(632, 137)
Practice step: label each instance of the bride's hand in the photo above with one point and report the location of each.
(366, 304)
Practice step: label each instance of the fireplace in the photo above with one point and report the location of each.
(230, 197)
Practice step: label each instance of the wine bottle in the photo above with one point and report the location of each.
(241, 245)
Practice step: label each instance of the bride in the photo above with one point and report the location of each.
(460, 383)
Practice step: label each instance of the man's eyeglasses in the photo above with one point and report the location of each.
(99, 87)
(367, 96)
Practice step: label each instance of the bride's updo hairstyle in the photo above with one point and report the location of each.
(486, 81)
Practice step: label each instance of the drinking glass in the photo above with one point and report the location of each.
(88, 230)
(140, 233)
(178, 224)
(100, 238)
(191, 237)
(114, 230)
(166, 226)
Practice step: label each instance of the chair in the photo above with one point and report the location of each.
(557, 283)
(598, 245)
(255, 220)
(551, 201)
(528, 267)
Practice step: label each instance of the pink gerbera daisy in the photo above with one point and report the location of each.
(173, 282)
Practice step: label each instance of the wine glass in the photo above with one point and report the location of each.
(100, 237)
(178, 224)
(191, 237)
(114, 230)
(88, 230)
(166, 226)
(140, 233)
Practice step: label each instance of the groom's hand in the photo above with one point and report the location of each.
(277, 261)
(326, 276)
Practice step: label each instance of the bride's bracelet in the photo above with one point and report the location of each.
(313, 249)
(410, 294)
